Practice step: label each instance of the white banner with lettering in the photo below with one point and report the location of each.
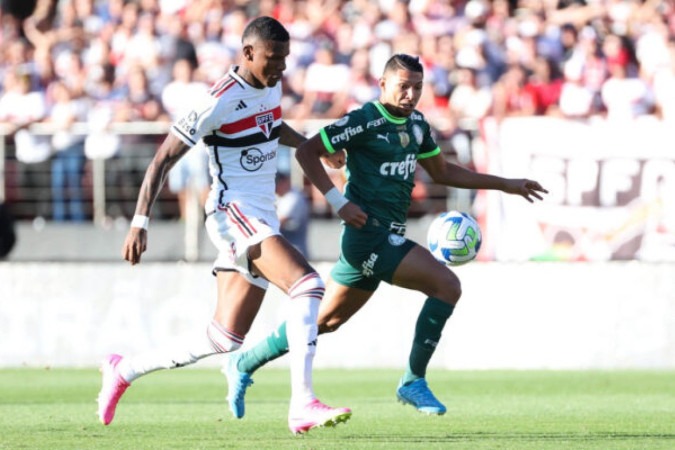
(611, 190)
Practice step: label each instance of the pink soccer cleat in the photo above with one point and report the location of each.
(112, 388)
(316, 414)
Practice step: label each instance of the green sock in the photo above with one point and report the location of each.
(430, 323)
(270, 348)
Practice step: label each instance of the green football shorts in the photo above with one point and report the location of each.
(368, 256)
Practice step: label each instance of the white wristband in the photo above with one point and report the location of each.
(336, 200)
(140, 221)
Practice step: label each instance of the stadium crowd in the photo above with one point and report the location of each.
(130, 60)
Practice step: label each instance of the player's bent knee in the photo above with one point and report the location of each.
(449, 292)
(223, 340)
(455, 291)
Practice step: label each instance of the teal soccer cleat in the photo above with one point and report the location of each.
(237, 383)
(420, 396)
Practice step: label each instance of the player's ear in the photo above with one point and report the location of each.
(247, 51)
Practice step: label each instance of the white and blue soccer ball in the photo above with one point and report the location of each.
(454, 238)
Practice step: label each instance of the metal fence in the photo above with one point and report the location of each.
(110, 184)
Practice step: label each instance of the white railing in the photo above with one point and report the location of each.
(100, 217)
(81, 128)
(101, 168)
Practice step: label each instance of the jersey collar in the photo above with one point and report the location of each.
(233, 73)
(393, 119)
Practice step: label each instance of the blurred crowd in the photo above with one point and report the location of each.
(106, 61)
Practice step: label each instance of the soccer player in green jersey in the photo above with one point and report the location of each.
(384, 141)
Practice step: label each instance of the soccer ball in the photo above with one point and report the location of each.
(454, 238)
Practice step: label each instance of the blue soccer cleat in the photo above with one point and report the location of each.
(237, 383)
(420, 396)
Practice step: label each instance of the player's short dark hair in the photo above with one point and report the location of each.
(405, 62)
(267, 29)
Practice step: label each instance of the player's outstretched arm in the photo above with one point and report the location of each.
(170, 151)
(528, 189)
(449, 174)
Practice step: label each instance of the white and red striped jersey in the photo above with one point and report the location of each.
(240, 126)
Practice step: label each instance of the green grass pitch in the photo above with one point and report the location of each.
(185, 409)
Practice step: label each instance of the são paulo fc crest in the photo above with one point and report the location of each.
(265, 122)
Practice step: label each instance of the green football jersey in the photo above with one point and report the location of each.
(382, 154)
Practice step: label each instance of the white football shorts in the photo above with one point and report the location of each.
(235, 227)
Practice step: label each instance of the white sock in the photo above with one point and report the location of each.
(301, 331)
(215, 340)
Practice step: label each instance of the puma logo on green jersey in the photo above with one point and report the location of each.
(384, 137)
(400, 168)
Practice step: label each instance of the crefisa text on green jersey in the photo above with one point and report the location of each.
(403, 168)
(393, 168)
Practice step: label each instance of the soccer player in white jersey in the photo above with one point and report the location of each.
(240, 123)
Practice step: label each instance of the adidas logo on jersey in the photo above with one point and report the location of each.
(241, 105)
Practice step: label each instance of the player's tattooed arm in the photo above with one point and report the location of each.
(169, 152)
(136, 241)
